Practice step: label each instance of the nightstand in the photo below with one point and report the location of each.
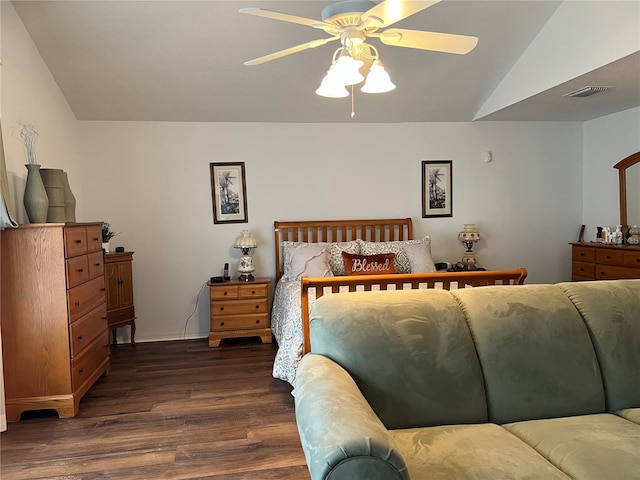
(239, 309)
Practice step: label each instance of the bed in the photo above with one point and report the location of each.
(310, 263)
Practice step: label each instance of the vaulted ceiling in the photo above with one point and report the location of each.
(183, 61)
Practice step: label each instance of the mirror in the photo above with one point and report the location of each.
(629, 176)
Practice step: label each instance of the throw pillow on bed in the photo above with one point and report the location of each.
(355, 264)
(305, 259)
(412, 256)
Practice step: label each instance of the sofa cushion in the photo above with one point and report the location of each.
(611, 311)
(631, 414)
(471, 452)
(588, 447)
(535, 351)
(410, 352)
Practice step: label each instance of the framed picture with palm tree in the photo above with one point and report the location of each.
(437, 192)
(229, 192)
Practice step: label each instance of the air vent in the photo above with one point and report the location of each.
(586, 91)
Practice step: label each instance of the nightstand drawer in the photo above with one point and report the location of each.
(233, 322)
(223, 292)
(238, 307)
(253, 290)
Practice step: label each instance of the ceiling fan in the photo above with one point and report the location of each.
(352, 22)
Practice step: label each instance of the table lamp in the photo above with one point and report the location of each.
(245, 242)
(468, 236)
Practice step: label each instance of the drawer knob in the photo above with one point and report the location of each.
(638, 260)
(257, 321)
(225, 293)
(79, 337)
(221, 323)
(96, 239)
(96, 264)
(257, 307)
(608, 257)
(582, 254)
(253, 292)
(78, 242)
(81, 371)
(77, 304)
(81, 270)
(221, 309)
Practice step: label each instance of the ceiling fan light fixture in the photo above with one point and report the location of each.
(331, 85)
(378, 80)
(347, 69)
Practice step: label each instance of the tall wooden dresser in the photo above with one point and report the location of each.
(597, 261)
(118, 273)
(55, 340)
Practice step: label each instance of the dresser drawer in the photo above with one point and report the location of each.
(583, 271)
(610, 257)
(632, 259)
(610, 272)
(94, 238)
(239, 307)
(87, 329)
(75, 241)
(583, 254)
(86, 364)
(96, 264)
(84, 298)
(239, 322)
(77, 270)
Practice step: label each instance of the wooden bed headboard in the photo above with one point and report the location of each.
(384, 230)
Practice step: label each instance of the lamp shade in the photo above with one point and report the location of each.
(245, 240)
(347, 70)
(331, 86)
(378, 80)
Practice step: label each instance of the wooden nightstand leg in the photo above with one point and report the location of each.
(114, 342)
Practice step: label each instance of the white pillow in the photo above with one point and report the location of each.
(310, 259)
(414, 255)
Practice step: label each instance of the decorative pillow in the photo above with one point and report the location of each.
(301, 258)
(414, 255)
(355, 264)
(400, 262)
(336, 261)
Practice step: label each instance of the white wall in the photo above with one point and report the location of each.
(30, 94)
(607, 140)
(151, 182)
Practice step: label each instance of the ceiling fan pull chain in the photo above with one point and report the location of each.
(353, 102)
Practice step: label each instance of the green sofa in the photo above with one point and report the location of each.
(499, 382)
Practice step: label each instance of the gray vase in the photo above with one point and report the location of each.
(53, 179)
(36, 202)
(69, 200)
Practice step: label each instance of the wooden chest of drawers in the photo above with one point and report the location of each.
(54, 321)
(239, 309)
(595, 261)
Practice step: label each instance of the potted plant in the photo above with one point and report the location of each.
(107, 235)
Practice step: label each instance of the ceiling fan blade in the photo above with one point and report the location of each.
(392, 11)
(438, 42)
(285, 17)
(289, 51)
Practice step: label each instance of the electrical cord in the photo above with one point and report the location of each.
(184, 332)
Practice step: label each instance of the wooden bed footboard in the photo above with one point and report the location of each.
(317, 287)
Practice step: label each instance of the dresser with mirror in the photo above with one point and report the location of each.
(597, 261)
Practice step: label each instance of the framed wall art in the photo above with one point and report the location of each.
(437, 191)
(229, 192)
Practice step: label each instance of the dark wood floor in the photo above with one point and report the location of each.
(169, 410)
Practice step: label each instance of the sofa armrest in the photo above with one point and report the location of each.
(341, 436)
